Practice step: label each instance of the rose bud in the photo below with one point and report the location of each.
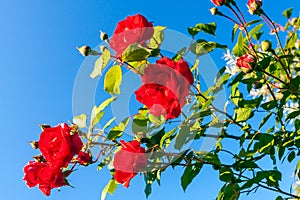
(218, 2)
(254, 6)
(34, 144)
(84, 50)
(103, 36)
(213, 10)
(266, 45)
(84, 158)
(245, 62)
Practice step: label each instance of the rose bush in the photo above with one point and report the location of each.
(260, 117)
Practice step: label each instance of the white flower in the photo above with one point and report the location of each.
(230, 59)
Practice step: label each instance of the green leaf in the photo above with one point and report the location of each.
(242, 114)
(252, 22)
(293, 115)
(269, 105)
(135, 52)
(97, 112)
(225, 174)
(241, 47)
(109, 188)
(189, 174)
(158, 37)
(288, 12)
(202, 47)
(291, 156)
(80, 120)
(182, 137)
(165, 140)
(255, 30)
(206, 28)
(117, 131)
(265, 119)
(113, 80)
(101, 63)
(235, 28)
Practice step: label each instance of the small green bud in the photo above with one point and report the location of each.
(266, 45)
(84, 50)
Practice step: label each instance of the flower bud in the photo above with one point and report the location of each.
(84, 50)
(218, 2)
(34, 144)
(103, 36)
(214, 11)
(84, 158)
(266, 45)
(254, 6)
(245, 62)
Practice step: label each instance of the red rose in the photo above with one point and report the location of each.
(246, 61)
(134, 29)
(130, 160)
(58, 145)
(31, 171)
(254, 6)
(84, 158)
(166, 85)
(41, 174)
(50, 178)
(218, 2)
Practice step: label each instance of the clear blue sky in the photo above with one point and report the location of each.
(38, 69)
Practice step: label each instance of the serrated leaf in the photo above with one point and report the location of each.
(206, 28)
(202, 47)
(109, 188)
(101, 63)
(242, 114)
(158, 37)
(80, 120)
(189, 174)
(241, 47)
(135, 52)
(113, 80)
(288, 12)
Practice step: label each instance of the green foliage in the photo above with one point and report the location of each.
(206, 28)
(135, 52)
(202, 47)
(101, 63)
(113, 80)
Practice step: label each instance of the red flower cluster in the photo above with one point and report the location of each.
(130, 160)
(58, 146)
(134, 29)
(246, 61)
(165, 87)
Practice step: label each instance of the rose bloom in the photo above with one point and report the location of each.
(134, 29)
(42, 174)
(165, 87)
(84, 158)
(130, 160)
(58, 145)
(218, 2)
(254, 6)
(246, 61)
